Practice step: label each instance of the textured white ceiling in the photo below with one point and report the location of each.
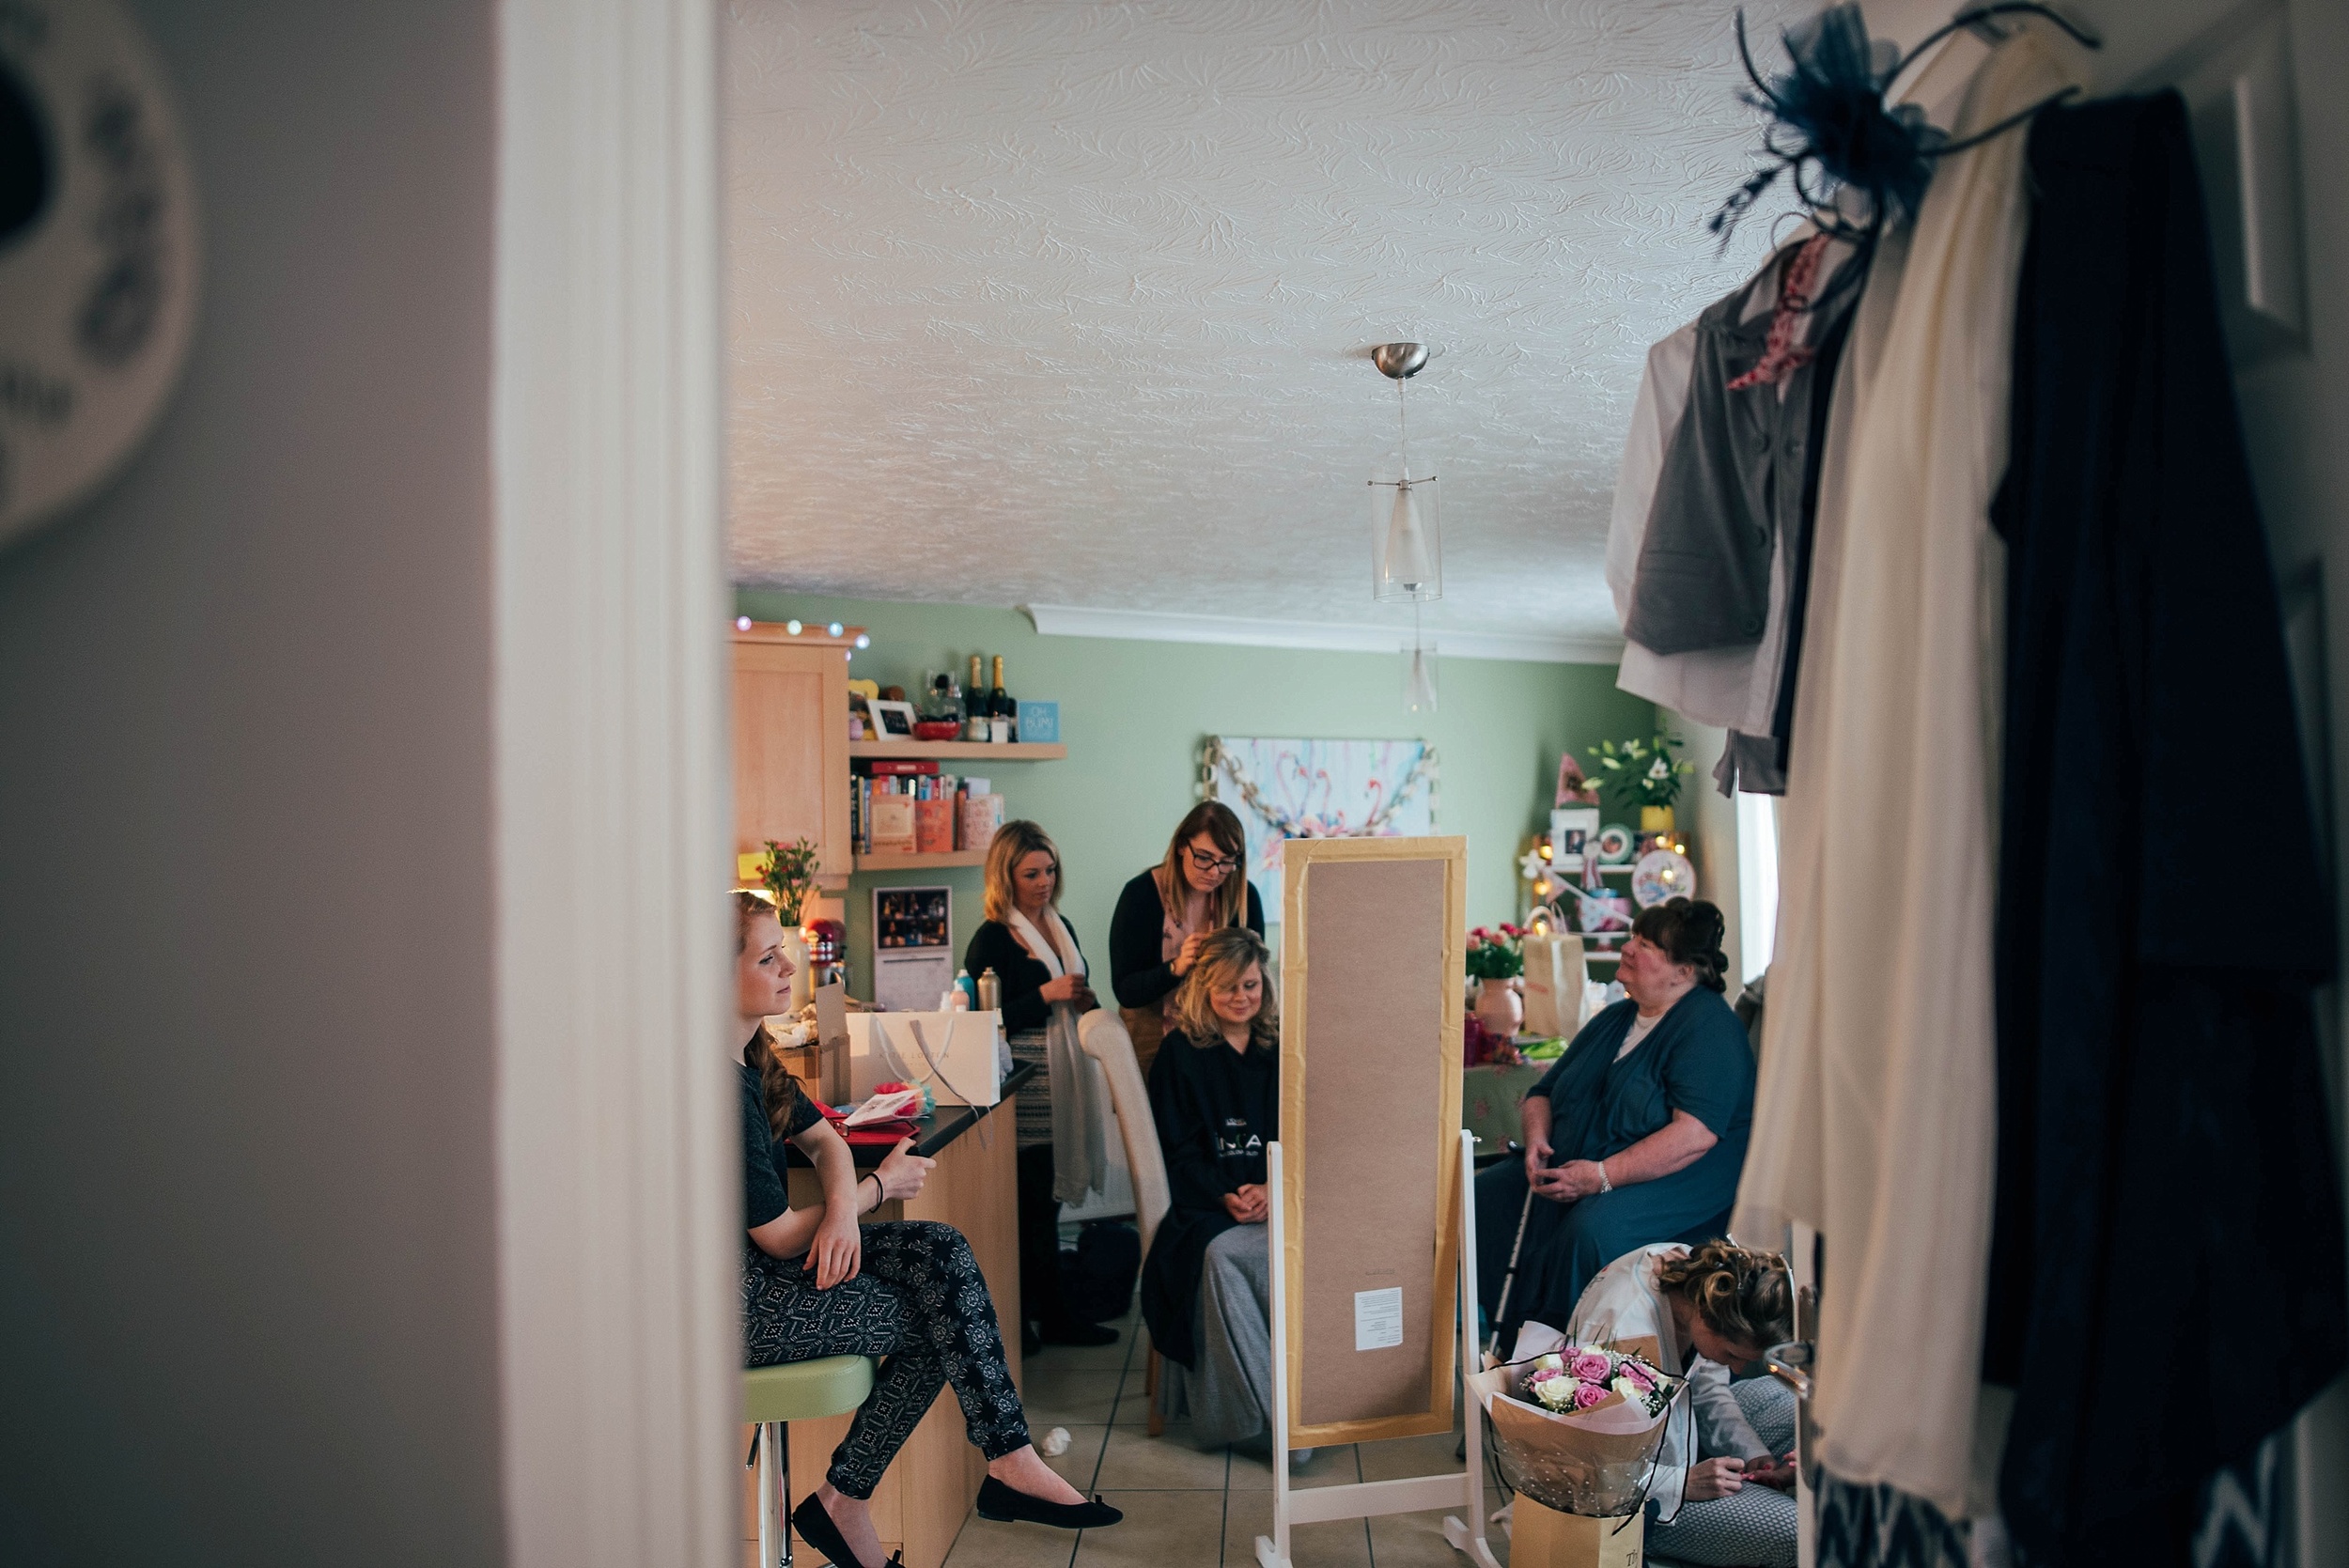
(1068, 302)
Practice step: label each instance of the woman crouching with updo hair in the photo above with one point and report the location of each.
(1726, 1468)
(1635, 1137)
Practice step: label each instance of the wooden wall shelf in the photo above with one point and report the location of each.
(962, 751)
(920, 862)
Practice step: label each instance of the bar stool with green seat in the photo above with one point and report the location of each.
(777, 1395)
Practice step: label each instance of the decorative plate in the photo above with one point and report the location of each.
(1614, 843)
(1662, 873)
(99, 251)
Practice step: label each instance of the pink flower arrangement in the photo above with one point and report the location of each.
(1582, 1378)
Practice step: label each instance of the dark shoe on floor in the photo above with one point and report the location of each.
(1030, 1341)
(1079, 1334)
(1004, 1503)
(819, 1534)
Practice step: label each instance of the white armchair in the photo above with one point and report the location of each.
(1102, 1034)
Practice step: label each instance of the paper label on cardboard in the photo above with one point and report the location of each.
(1379, 1318)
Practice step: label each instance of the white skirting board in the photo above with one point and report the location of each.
(1370, 1498)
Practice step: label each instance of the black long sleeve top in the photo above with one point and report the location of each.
(1215, 1110)
(1024, 976)
(1137, 974)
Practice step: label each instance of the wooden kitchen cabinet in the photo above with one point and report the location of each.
(791, 748)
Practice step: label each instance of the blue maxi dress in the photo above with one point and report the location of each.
(1696, 1059)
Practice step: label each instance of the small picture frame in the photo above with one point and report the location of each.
(891, 721)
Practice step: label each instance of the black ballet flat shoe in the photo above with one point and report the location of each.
(1075, 1333)
(818, 1532)
(1005, 1504)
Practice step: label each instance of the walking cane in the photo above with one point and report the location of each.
(1509, 1279)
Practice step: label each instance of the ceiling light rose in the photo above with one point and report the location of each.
(1406, 519)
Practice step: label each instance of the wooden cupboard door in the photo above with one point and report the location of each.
(791, 750)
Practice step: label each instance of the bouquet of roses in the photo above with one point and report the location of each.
(1585, 1377)
(1576, 1428)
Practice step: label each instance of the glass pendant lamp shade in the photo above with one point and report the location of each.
(1406, 539)
(1419, 679)
(1406, 521)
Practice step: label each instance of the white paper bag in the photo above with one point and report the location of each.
(951, 1054)
(1554, 975)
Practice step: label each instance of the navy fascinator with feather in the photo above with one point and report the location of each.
(1860, 164)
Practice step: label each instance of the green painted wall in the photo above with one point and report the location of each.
(1133, 714)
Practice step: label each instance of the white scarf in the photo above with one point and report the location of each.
(1081, 1156)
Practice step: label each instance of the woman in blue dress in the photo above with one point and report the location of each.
(1635, 1137)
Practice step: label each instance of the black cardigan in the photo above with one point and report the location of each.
(1138, 934)
(1216, 1110)
(1024, 976)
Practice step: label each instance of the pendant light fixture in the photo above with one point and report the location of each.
(1406, 523)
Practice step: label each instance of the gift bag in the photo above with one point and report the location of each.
(1554, 977)
(950, 1054)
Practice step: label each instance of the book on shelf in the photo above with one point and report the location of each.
(891, 824)
(894, 767)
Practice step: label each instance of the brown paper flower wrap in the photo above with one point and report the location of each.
(1597, 1462)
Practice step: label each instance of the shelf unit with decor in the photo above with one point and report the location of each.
(894, 861)
(959, 750)
(969, 754)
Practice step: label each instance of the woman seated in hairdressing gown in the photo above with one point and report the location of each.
(1637, 1135)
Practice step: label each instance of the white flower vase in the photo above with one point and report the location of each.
(1501, 1006)
(803, 972)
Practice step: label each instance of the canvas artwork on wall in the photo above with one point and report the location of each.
(1285, 789)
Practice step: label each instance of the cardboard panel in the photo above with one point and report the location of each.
(1372, 940)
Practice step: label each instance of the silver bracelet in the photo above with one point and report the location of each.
(1604, 1185)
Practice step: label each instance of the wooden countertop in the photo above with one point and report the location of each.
(934, 1133)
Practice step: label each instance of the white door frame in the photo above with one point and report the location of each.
(620, 1344)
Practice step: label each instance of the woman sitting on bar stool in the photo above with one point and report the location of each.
(816, 1283)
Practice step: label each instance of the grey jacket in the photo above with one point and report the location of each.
(1735, 485)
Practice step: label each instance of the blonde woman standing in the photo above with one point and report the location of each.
(1063, 1133)
(1215, 1093)
(1165, 913)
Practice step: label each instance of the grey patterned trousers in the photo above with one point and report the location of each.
(1755, 1525)
(920, 1303)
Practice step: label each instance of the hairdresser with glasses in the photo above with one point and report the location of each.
(815, 1284)
(1164, 914)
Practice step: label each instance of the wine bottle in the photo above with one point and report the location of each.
(998, 700)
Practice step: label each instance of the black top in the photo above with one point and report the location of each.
(1022, 975)
(765, 1189)
(1215, 1110)
(1137, 974)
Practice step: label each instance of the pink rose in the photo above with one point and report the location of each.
(1588, 1395)
(1639, 1375)
(1592, 1366)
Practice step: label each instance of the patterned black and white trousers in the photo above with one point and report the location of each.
(920, 1303)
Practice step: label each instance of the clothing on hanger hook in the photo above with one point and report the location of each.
(1834, 131)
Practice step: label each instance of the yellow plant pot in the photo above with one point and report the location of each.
(1655, 820)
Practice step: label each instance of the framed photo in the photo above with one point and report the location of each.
(1571, 830)
(891, 721)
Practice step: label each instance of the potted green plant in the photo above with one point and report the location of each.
(789, 876)
(1496, 961)
(1643, 773)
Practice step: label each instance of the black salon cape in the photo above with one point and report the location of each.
(2167, 1276)
(1215, 1110)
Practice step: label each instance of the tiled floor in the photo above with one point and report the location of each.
(1186, 1508)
